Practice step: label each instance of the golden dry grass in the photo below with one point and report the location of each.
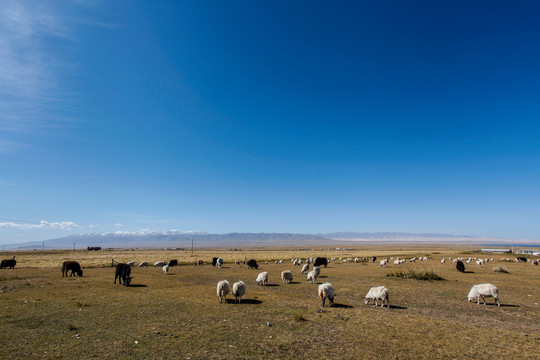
(45, 316)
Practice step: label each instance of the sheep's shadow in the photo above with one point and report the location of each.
(323, 277)
(271, 285)
(136, 285)
(468, 272)
(244, 301)
(342, 306)
(294, 282)
(397, 307)
(495, 304)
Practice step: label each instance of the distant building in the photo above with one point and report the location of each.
(496, 250)
(531, 252)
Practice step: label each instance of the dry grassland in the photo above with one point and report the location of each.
(178, 316)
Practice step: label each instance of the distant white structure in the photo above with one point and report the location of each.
(496, 250)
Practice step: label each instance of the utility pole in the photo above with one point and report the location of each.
(73, 246)
(43, 245)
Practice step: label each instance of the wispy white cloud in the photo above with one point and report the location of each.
(32, 95)
(63, 225)
(28, 85)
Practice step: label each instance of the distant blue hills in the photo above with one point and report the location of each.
(177, 239)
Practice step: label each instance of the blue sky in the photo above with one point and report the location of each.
(269, 117)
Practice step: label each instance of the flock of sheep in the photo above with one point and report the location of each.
(326, 290)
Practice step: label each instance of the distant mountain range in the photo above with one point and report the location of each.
(177, 239)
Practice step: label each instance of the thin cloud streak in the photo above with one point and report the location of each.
(62, 225)
(31, 91)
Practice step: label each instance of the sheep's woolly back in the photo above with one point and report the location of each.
(326, 291)
(222, 288)
(239, 289)
(262, 278)
(286, 275)
(485, 290)
(378, 292)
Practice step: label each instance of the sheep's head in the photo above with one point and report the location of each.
(366, 301)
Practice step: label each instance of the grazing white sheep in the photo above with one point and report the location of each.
(383, 262)
(305, 268)
(266, 263)
(144, 263)
(166, 269)
(326, 291)
(378, 293)
(238, 290)
(483, 291)
(160, 263)
(312, 277)
(280, 262)
(317, 269)
(131, 263)
(262, 278)
(286, 276)
(442, 261)
(222, 289)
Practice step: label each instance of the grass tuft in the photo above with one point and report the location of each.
(72, 327)
(81, 304)
(299, 317)
(501, 269)
(428, 274)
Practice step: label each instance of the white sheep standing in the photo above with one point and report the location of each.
(383, 262)
(144, 263)
(238, 290)
(305, 268)
(483, 291)
(160, 263)
(312, 277)
(219, 262)
(326, 291)
(262, 278)
(222, 289)
(286, 276)
(166, 269)
(378, 293)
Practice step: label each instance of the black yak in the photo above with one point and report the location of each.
(252, 264)
(72, 266)
(122, 274)
(321, 261)
(460, 266)
(8, 263)
(173, 263)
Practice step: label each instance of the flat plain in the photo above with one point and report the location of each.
(46, 316)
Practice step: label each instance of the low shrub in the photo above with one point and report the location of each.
(500, 269)
(427, 274)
